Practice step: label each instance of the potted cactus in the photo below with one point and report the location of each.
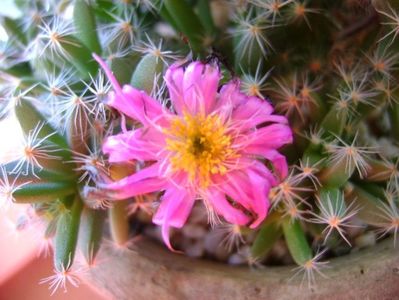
(165, 141)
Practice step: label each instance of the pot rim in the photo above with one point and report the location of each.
(148, 270)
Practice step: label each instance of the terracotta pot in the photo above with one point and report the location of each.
(152, 272)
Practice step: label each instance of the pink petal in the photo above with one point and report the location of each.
(279, 161)
(142, 182)
(174, 81)
(260, 193)
(200, 86)
(130, 101)
(250, 189)
(230, 95)
(255, 106)
(271, 137)
(225, 209)
(141, 144)
(253, 112)
(234, 184)
(193, 89)
(108, 72)
(174, 210)
(264, 172)
(129, 188)
(137, 105)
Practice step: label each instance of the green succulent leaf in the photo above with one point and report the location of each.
(123, 67)
(29, 117)
(66, 236)
(80, 57)
(205, 16)
(14, 29)
(85, 23)
(296, 241)
(91, 232)
(43, 191)
(34, 173)
(265, 240)
(370, 206)
(147, 72)
(186, 21)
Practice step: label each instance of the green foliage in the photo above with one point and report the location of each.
(67, 236)
(147, 73)
(268, 234)
(186, 21)
(85, 23)
(296, 241)
(91, 233)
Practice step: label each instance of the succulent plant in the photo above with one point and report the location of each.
(329, 66)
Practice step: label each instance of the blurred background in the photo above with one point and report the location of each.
(21, 268)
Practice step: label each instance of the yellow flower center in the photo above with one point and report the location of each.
(200, 146)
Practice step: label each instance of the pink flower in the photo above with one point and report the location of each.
(207, 145)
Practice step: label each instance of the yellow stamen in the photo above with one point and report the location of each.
(200, 146)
